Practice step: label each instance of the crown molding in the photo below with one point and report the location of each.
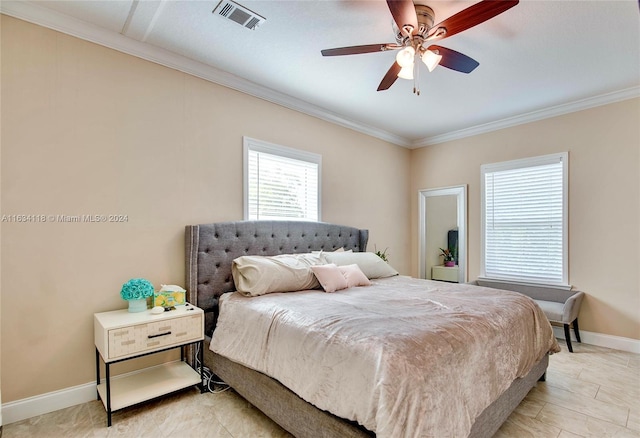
(579, 105)
(42, 16)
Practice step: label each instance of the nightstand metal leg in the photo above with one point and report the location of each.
(108, 394)
(97, 373)
(201, 354)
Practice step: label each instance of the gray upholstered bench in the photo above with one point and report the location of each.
(560, 306)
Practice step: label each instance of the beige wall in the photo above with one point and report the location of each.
(88, 130)
(604, 201)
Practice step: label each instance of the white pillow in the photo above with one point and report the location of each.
(259, 275)
(354, 276)
(372, 265)
(330, 277)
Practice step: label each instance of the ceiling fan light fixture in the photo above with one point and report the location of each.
(405, 57)
(406, 72)
(412, 24)
(431, 59)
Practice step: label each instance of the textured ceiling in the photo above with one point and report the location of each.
(535, 58)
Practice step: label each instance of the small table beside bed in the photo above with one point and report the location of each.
(393, 356)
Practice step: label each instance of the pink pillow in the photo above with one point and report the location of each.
(330, 277)
(354, 275)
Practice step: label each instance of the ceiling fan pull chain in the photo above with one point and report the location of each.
(416, 77)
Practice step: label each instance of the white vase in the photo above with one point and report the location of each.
(139, 305)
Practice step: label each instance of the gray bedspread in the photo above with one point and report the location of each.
(403, 357)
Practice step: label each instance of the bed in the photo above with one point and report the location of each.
(210, 250)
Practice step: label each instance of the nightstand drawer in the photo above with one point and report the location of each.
(141, 338)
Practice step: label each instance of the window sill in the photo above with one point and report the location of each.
(525, 283)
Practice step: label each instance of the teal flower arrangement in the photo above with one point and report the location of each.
(136, 289)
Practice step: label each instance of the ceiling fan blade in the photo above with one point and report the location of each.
(455, 60)
(390, 77)
(354, 50)
(404, 14)
(472, 16)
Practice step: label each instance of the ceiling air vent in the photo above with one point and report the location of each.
(241, 15)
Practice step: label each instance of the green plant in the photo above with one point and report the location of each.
(382, 254)
(448, 255)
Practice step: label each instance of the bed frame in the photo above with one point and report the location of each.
(210, 249)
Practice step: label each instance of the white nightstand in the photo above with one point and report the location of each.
(120, 336)
(445, 273)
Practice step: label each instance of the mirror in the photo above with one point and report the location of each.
(443, 220)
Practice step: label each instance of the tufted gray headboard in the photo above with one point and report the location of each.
(210, 249)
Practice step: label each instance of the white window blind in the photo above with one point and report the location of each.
(280, 183)
(524, 220)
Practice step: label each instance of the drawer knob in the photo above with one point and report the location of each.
(158, 335)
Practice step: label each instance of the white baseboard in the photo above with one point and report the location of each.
(64, 398)
(49, 402)
(602, 340)
(54, 401)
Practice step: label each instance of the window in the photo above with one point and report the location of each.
(280, 183)
(524, 220)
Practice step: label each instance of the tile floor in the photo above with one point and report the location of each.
(594, 392)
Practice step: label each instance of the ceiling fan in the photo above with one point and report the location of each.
(414, 29)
